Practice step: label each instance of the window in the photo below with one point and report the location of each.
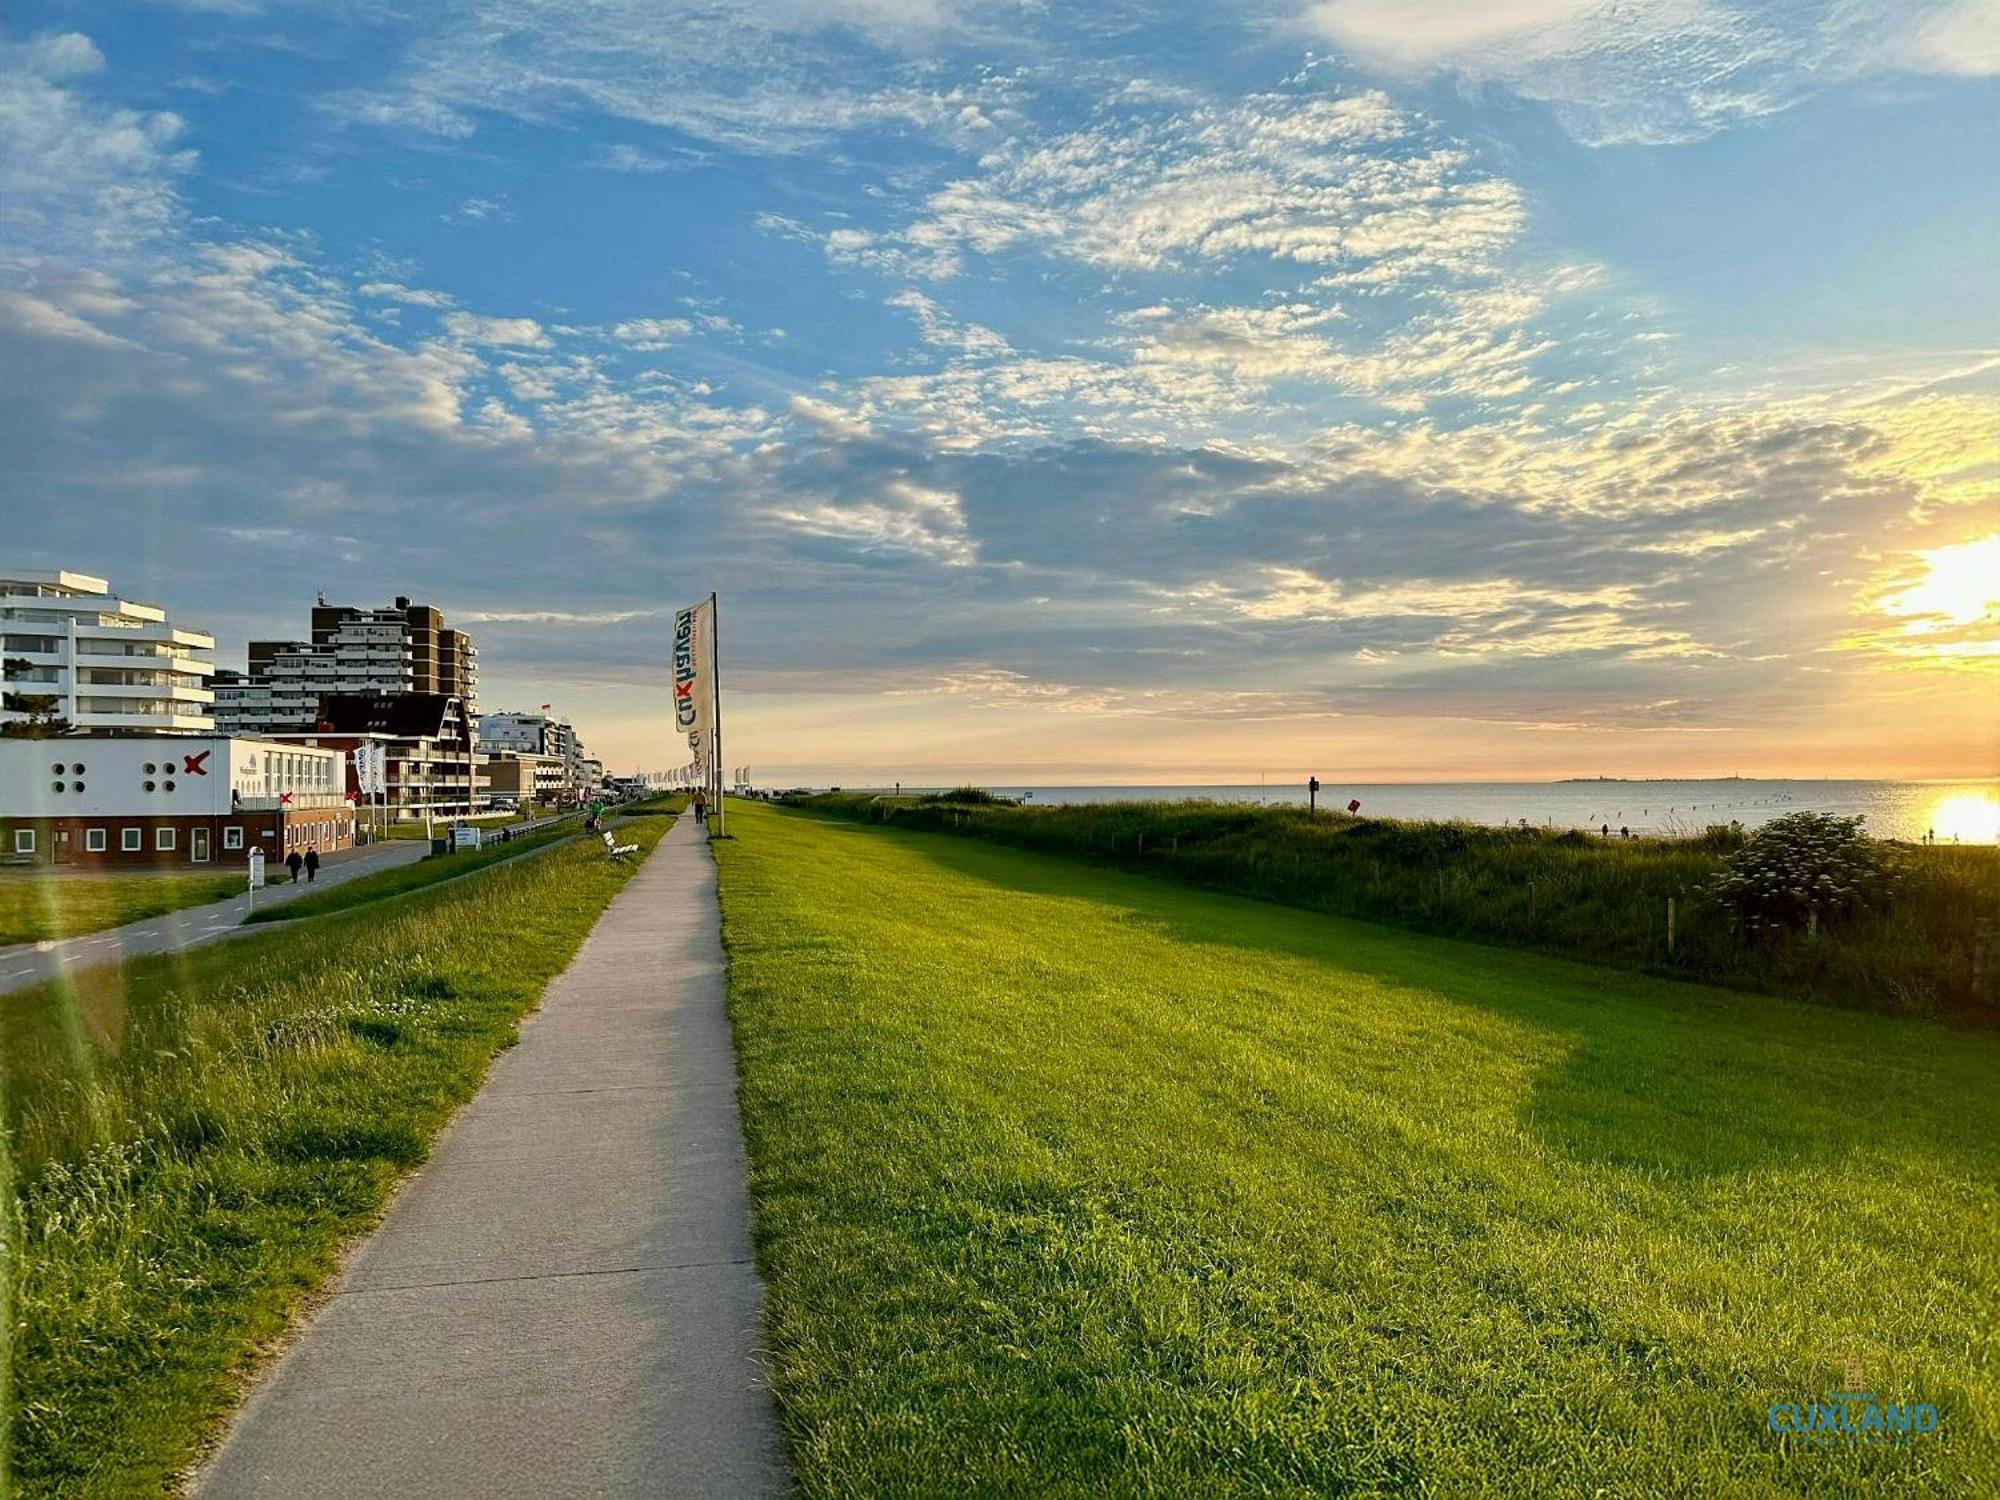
(232, 838)
(93, 841)
(163, 839)
(131, 840)
(24, 841)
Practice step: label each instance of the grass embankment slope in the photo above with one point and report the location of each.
(405, 878)
(36, 905)
(1073, 1182)
(1566, 893)
(194, 1136)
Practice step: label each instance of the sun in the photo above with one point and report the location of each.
(1961, 585)
(1967, 818)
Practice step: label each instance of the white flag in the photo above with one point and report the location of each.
(694, 675)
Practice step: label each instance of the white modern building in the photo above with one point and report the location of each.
(75, 651)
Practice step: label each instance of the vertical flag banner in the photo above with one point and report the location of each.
(698, 693)
(694, 674)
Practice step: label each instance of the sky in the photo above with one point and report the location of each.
(1128, 392)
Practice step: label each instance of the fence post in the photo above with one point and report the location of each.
(1142, 843)
(1670, 925)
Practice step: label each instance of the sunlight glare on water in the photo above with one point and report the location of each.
(1967, 818)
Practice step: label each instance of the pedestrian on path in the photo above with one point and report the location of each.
(700, 801)
(312, 865)
(292, 863)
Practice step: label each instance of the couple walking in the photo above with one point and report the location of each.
(310, 862)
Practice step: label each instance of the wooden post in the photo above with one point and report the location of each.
(1670, 924)
(1142, 843)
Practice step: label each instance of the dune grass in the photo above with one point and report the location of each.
(35, 906)
(192, 1137)
(1566, 893)
(1074, 1182)
(405, 878)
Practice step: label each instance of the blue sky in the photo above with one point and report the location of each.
(1133, 391)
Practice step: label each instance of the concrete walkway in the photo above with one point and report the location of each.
(563, 1302)
(24, 964)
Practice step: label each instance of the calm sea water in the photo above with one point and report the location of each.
(1967, 811)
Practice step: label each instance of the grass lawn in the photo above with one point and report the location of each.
(34, 906)
(427, 871)
(193, 1136)
(1069, 1181)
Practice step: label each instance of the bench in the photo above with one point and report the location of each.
(615, 849)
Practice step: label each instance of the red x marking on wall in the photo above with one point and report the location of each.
(195, 765)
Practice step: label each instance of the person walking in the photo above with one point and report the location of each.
(292, 863)
(700, 804)
(312, 865)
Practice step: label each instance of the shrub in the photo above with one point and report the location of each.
(1799, 871)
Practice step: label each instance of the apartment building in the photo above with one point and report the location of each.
(434, 769)
(514, 778)
(94, 801)
(405, 648)
(541, 736)
(77, 654)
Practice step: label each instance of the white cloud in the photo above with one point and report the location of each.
(510, 333)
(1663, 70)
(553, 616)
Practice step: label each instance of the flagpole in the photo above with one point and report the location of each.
(715, 749)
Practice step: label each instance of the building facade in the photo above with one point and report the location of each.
(538, 734)
(514, 779)
(405, 648)
(167, 800)
(76, 652)
(434, 769)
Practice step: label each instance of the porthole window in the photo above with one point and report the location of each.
(77, 769)
(57, 768)
(170, 786)
(57, 788)
(150, 769)
(149, 786)
(76, 786)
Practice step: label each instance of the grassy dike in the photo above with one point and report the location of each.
(405, 878)
(1569, 894)
(1073, 1182)
(193, 1137)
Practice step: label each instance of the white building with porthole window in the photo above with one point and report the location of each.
(180, 800)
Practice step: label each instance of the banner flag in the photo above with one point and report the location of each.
(694, 674)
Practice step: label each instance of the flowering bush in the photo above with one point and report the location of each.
(1804, 868)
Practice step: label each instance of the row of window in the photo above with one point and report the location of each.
(130, 840)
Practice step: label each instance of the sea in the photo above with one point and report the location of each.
(1965, 812)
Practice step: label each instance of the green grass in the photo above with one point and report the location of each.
(404, 878)
(1564, 893)
(1074, 1182)
(193, 1137)
(36, 906)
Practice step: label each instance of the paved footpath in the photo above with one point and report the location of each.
(563, 1302)
(24, 964)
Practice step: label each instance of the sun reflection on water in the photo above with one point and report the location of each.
(1966, 818)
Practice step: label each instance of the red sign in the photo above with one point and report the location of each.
(195, 765)
(1355, 805)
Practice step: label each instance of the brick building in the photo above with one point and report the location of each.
(178, 801)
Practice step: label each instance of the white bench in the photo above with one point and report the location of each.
(615, 849)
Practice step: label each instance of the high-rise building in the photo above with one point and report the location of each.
(537, 734)
(402, 649)
(394, 676)
(76, 653)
